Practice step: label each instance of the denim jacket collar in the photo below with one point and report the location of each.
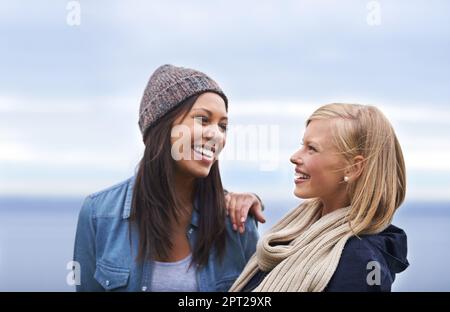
(128, 199)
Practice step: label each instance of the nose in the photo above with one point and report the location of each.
(212, 132)
(296, 158)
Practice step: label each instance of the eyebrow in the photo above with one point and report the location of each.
(307, 141)
(209, 112)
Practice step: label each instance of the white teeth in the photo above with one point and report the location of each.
(207, 152)
(203, 151)
(301, 176)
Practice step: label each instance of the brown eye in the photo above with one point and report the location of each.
(202, 119)
(224, 127)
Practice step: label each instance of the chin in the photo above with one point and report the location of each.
(200, 172)
(301, 194)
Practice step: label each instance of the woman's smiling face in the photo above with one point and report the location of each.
(201, 136)
(318, 164)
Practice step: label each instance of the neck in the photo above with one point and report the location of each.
(337, 202)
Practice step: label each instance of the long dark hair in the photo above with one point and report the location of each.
(155, 201)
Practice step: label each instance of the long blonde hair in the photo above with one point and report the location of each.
(381, 187)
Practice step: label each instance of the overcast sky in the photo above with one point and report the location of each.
(69, 95)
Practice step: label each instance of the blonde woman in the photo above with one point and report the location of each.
(351, 169)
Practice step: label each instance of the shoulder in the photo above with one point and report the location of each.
(251, 229)
(251, 225)
(360, 249)
(358, 260)
(250, 236)
(109, 202)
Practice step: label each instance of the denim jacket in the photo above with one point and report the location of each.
(106, 253)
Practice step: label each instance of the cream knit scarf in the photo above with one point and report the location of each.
(310, 253)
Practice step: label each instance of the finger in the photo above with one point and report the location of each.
(242, 228)
(237, 210)
(247, 204)
(256, 209)
(231, 211)
(259, 216)
(227, 202)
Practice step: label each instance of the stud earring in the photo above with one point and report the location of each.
(346, 179)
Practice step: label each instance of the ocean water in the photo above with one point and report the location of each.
(37, 235)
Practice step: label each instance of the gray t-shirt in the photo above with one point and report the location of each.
(174, 276)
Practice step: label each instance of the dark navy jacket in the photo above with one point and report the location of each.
(368, 263)
(365, 259)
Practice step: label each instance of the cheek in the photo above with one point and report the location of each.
(321, 171)
(313, 166)
(183, 131)
(328, 174)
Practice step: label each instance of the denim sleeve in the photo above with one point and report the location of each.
(250, 237)
(84, 250)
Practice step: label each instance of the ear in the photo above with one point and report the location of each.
(355, 169)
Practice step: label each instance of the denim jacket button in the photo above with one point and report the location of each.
(107, 283)
(144, 288)
(190, 231)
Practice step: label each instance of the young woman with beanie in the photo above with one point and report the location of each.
(351, 169)
(165, 229)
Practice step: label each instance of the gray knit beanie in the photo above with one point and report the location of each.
(168, 87)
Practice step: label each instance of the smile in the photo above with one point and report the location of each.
(204, 151)
(301, 177)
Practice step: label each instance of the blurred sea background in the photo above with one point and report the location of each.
(37, 237)
(70, 94)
